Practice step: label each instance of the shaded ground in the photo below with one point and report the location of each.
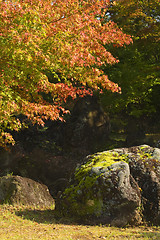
(29, 223)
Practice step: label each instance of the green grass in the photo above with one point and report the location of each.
(20, 222)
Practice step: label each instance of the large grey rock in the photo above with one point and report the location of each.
(144, 163)
(116, 187)
(102, 190)
(19, 190)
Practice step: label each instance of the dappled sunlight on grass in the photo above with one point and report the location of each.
(20, 222)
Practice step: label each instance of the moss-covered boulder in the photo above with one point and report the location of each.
(19, 190)
(144, 163)
(102, 190)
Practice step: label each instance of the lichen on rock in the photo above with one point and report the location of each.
(102, 190)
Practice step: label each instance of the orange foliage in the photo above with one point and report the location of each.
(62, 36)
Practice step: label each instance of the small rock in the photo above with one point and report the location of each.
(19, 190)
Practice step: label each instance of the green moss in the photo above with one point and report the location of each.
(83, 197)
(84, 175)
(143, 155)
(103, 160)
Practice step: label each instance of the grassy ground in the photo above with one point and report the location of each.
(36, 223)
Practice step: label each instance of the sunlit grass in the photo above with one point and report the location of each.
(20, 222)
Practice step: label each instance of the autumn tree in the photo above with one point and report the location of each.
(64, 37)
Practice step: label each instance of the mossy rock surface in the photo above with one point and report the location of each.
(144, 163)
(102, 190)
(117, 187)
